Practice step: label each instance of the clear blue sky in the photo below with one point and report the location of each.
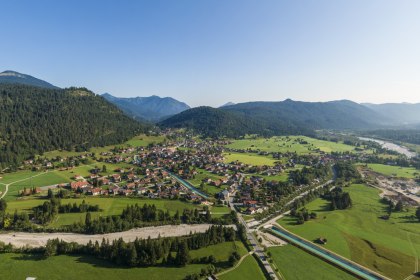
(211, 52)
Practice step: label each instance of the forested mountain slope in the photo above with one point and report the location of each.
(13, 77)
(342, 114)
(213, 122)
(34, 120)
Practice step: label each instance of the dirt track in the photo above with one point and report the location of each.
(21, 239)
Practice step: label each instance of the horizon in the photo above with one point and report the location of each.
(227, 102)
(211, 53)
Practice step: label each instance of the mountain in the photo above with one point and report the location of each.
(227, 104)
(12, 77)
(275, 118)
(341, 114)
(212, 122)
(152, 108)
(34, 120)
(399, 113)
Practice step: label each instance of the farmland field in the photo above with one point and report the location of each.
(294, 263)
(387, 246)
(247, 270)
(110, 206)
(397, 171)
(137, 141)
(86, 267)
(249, 158)
(298, 144)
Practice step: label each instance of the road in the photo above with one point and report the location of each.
(281, 215)
(259, 252)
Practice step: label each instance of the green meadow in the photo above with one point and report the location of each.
(209, 189)
(294, 263)
(250, 159)
(86, 267)
(298, 144)
(247, 270)
(27, 179)
(387, 246)
(109, 206)
(137, 141)
(396, 171)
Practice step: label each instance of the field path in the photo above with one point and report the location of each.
(27, 178)
(237, 265)
(7, 185)
(21, 239)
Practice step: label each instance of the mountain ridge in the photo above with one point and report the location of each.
(13, 77)
(151, 108)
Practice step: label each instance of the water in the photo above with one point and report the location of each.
(391, 146)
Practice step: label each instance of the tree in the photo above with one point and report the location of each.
(399, 206)
(418, 213)
(104, 168)
(132, 255)
(50, 194)
(3, 205)
(183, 255)
(88, 219)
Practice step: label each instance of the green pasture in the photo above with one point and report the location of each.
(86, 267)
(358, 233)
(297, 264)
(249, 158)
(396, 171)
(296, 144)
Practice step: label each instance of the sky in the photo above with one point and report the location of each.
(207, 52)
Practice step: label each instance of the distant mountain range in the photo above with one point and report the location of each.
(152, 108)
(265, 118)
(285, 117)
(12, 77)
(400, 113)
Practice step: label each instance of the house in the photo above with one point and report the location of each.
(94, 191)
(80, 184)
(224, 195)
(250, 210)
(116, 178)
(250, 203)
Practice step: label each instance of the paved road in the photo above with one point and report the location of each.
(259, 252)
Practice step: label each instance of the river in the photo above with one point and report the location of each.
(391, 146)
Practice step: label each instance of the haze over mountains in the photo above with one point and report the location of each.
(152, 108)
(265, 118)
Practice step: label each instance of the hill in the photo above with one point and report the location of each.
(277, 118)
(152, 108)
(12, 77)
(399, 113)
(35, 120)
(341, 114)
(212, 122)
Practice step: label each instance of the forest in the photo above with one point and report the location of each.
(34, 120)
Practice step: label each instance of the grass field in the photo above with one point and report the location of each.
(397, 171)
(21, 179)
(137, 141)
(85, 267)
(388, 247)
(209, 189)
(291, 144)
(110, 206)
(295, 263)
(247, 270)
(250, 159)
